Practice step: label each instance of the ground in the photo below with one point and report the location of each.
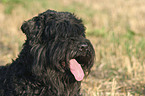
(115, 27)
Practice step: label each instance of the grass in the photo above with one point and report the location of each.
(115, 29)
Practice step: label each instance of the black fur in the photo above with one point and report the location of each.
(42, 67)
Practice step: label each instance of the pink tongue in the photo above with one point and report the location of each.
(76, 70)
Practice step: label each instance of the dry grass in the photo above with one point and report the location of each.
(115, 27)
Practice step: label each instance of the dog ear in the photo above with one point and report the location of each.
(27, 27)
(33, 28)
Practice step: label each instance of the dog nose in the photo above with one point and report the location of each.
(83, 47)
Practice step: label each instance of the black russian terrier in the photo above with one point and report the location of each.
(55, 58)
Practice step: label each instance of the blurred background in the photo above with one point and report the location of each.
(115, 27)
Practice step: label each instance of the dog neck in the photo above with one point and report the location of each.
(48, 79)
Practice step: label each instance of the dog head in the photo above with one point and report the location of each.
(58, 42)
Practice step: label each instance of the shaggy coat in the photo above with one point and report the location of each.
(43, 68)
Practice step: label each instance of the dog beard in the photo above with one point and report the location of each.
(64, 56)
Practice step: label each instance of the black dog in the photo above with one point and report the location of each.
(54, 59)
